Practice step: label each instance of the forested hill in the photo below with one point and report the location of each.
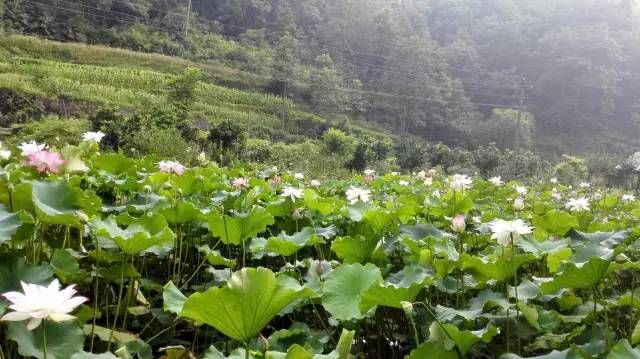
(444, 70)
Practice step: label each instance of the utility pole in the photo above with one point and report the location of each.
(186, 24)
(521, 109)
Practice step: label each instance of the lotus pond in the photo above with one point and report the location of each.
(209, 262)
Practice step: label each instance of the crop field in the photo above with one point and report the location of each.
(216, 262)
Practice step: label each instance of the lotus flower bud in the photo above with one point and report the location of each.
(518, 204)
(458, 223)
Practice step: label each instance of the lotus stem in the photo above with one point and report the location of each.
(44, 338)
(115, 319)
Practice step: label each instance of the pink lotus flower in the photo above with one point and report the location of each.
(45, 161)
(171, 167)
(276, 180)
(239, 182)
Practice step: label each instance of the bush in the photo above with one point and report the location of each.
(16, 107)
(571, 170)
(257, 150)
(338, 142)
(164, 143)
(227, 135)
(52, 131)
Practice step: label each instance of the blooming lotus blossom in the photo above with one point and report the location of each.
(171, 167)
(518, 204)
(421, 175)
(403, 183)
(395, 173)
(628, 198)
(298, 176)
(93, 136)
(597, 196)
(45, 161)
(578, 204)
(368, 179)
(458, 224)
(315, 183)
(240, 182)
(428, 181)
(460, 182)
(496, 181)
(584, 185)
(39, 302)
(556, 195)
(432, 172)
(369, 172)
(553, 180)
(29, 148)
(355, 194)
(5, 154)
(521, 190)
(202, 159)
(506, 232)
(292, 193)
(276, 180)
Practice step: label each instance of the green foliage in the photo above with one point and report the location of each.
(571, 170)
(337, 142)
(16, 107)
(52, 130)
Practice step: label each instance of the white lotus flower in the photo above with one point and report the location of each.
(93, 136)
(504, 232)
(403, 183)
(315, 183)
(628, 198)
(521, 190)
(518, 204)
(395, 173)
(496, 181)
(421, 175)
(202, 159)
(585, 185)
(458, 223)
(40, 302)
(578, 204)
(298, 176)
(292, 193)
(556, 195)
(355, 194)
(428, 181)
(5, 154)
(29, 148)
(171, 167)
(460, 182)
(369, 172)
(553, 180)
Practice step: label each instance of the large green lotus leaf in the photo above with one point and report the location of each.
(314, 202)
(500, 270)
(172, 298)
(356, 249)
(85, 355)
(433, 350)
(402, 286)
(572, 353)
(56, 203)
(598, 244)
(538, 248)
(624, 350)
(66, 266)
(239, 228)
(181, 213)
(287, 245)
(421, 231)
(344, 287)
(379, 219)
(556, 222)
(215, 258)
(462, 339)
(113, 163)
(296, 351)
(63, 339)
(139, 235)
(578, 278)
(9, 223)
(249, 301)
(298, 333)
(446, 314)
(142, 202)
(14, 269)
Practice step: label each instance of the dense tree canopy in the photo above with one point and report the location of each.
(436, 69)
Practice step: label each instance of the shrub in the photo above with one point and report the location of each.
(227, 135)
(571, 170)
(338, 142)
(165, 143)
(53, 131)
(16, 107)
